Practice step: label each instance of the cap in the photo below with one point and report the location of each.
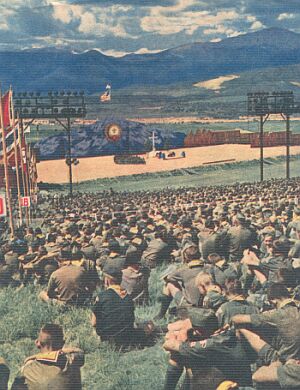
(113, 245)
(281, 246)
(112, 270)
(133, 256)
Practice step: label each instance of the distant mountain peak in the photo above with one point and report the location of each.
(57, 68)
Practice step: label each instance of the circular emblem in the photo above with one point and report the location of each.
(113, 132)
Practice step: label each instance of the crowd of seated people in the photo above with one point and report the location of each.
(228, 259)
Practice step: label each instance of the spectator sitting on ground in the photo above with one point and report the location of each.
(54, 367)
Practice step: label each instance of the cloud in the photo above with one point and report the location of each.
(285, 16)
(139, 3)
(220, 29)
(66, 13)
(177, 18)
(144, 50)
(96, 21)
(136, 26)
(257, 25)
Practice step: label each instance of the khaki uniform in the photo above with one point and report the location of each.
(280, 329)
(70, 284)
(236, 305)
(222, 351)
(185, 277)
(289, 375)
(239, 238)
(135, 282)
(53, 370)
(156, 253)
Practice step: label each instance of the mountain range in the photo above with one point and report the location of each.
(57, 69)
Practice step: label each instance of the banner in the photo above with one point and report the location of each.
(7, 110)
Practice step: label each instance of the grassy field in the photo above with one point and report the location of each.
(22, 315)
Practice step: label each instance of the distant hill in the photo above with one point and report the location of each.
(56, 69)
(90, 140)
(192, 98)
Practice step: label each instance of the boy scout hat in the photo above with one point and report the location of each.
(113, 245)
(110, 269)
(282, 245)
(133, 256)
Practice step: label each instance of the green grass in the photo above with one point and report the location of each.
(22, 315)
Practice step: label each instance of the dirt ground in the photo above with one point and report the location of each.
(100, 167)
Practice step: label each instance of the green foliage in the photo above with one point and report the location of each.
(23, 314)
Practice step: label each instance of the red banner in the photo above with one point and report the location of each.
(7, 109)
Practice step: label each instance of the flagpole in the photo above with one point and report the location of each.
(25, 174)
(21, 155)
(6, 173)
(17, 164)
(28, 179)
(18, 177)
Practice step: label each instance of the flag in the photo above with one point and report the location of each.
(12, 151)
(9, 139)
(106, 96)
(32, 165)
(7, 121)
(7, 109)
(27, 130)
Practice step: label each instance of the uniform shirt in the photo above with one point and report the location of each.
(114, 259)
(209, 242)
(281, 329)
(239, 238)
(5, 275)
(185, 276)
(114, 312)
(236, 305)
(289, 375)
(89, 252)
(135, 282)
(223, 351)
(97, 241)
(156, 253)
(69, 284)
(295, 250)
(11, 259)
(52, 247)
(53, 370)
(222, 271)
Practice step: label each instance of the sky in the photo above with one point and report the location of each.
(118, 27)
